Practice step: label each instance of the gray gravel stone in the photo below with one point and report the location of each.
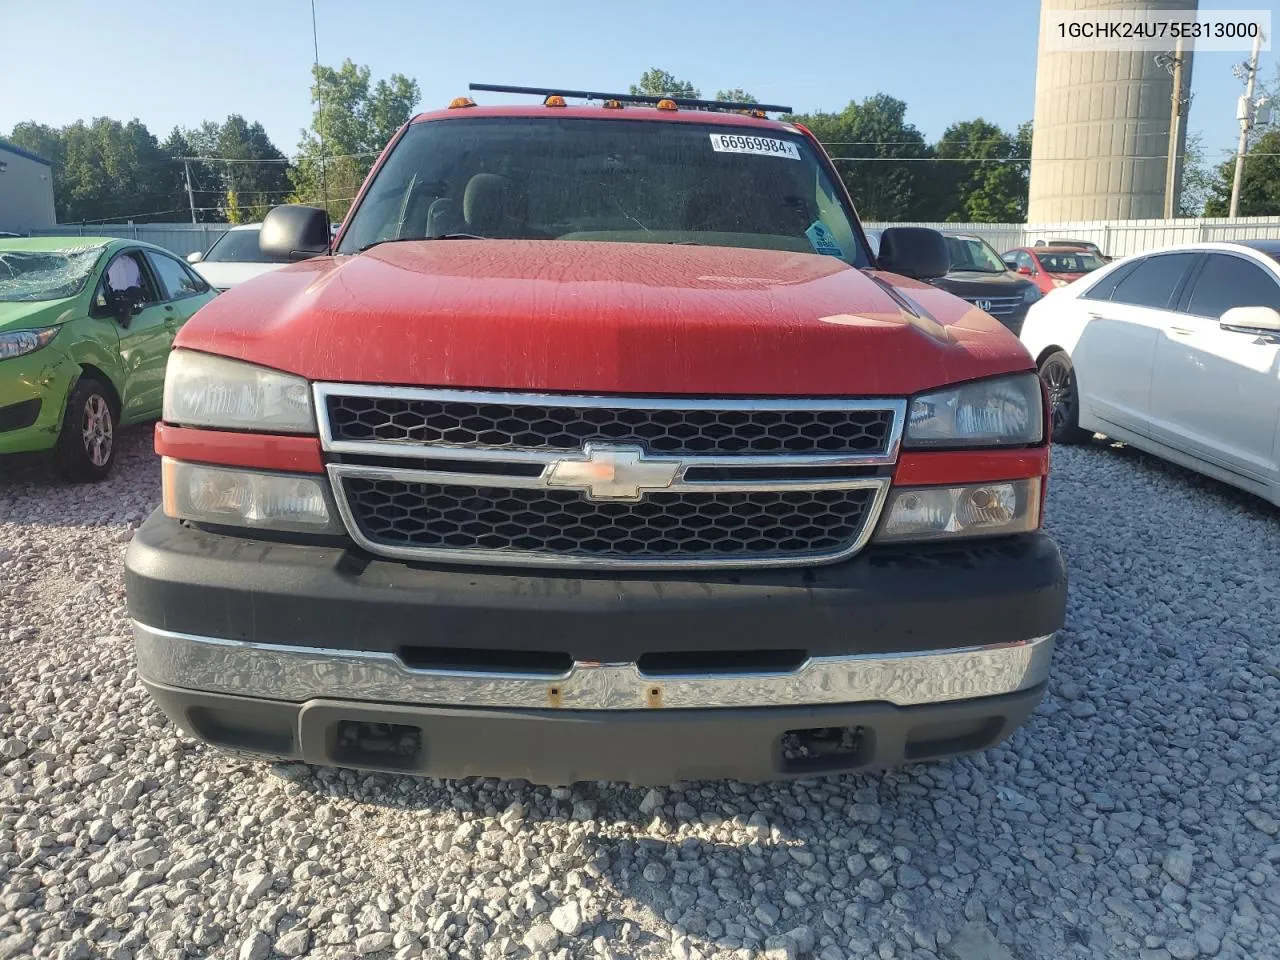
(1177, 864)
(294, 943)
(374, 943)
(1138, 825)
(541, 937)
(256, 946)
(567, 918)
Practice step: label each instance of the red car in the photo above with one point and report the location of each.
(598, 445)
(1050, 267)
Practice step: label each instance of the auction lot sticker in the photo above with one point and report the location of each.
(766, 146)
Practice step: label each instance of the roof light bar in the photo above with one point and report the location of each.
(725, 105)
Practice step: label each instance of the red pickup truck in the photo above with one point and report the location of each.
(597, 445)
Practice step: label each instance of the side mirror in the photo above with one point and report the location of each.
(1025, 271)
(1263, 321)
(295, 232)
(915, 252)
(195, 257)
(123, 305)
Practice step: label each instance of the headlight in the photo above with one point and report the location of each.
(986, 413)
(244, 498)
(1031, 294)
(201, 390)
(21, 342)
(1059, 282)
(974, 510)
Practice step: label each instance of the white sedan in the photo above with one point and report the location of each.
(1176, 352)
(235, 258)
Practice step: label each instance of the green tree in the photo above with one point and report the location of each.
(656, 82)
(235, 158)
(104, 169)
(736, 95)
(42, 140)
(354, 120)
(986, 178)
(1260, 185)
(1197, 178)
(877, 154)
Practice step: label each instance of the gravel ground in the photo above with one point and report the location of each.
(1137, 815)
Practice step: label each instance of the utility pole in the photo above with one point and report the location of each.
(1245, 115)
(191, 199)
(1172, 172)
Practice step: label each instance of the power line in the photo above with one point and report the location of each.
(911, 143)
(297, 157)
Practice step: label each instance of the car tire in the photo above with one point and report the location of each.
(86, 446)
(1059, 379)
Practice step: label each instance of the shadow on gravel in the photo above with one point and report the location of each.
(32, 492)
(1222, 493)
(767, 866)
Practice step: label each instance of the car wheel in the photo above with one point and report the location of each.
(1059, 378)
(87, 444)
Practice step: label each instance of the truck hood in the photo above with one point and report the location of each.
(588, 317)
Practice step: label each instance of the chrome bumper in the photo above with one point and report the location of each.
(296, 674)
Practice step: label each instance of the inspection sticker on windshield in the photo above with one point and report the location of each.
(823, 240)
(767, 146)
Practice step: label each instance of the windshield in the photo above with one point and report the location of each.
(970, 253)
(1069, 262)
(240, 246)
(606, 180)
(45, 274)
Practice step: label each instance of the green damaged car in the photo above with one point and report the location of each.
(86, 324)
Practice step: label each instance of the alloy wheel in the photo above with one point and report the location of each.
(1058, 382)
(97, 430)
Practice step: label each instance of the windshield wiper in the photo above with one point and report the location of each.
(443, 236)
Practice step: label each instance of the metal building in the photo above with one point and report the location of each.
(26, 190)
(1101, 130)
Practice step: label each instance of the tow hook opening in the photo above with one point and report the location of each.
(358, 743)
(818, 749)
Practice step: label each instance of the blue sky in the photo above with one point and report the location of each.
(170, 62)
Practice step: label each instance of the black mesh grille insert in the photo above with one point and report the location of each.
(666, 431)
(398, 513)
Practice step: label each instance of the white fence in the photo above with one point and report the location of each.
(180, 238)
(1116, 238)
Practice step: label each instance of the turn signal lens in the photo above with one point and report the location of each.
(974, 510)
(667, 104)
(245, 498)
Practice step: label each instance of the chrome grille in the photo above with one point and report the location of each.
(999, 306)
(541, 480)
(564, 426)
(562, 523)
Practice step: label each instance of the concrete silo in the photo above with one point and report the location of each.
(1101, 125)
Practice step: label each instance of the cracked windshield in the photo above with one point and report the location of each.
(674, 483)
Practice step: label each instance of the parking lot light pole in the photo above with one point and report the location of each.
(191, 198)
(1245, 115)
(1171, 174)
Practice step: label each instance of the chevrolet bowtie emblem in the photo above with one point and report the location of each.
(613, 473)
